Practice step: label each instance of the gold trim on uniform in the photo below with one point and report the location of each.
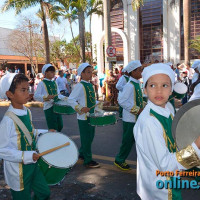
(135, 109)
(188, 157)
(169, 190)
(78, 109)
(20, 164)
(45, 98)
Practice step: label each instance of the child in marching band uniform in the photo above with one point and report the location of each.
(47, 92)
(82, 99)
(18, 142)
(131, 100)
(120, 85)
(155, 145)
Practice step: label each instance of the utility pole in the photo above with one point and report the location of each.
(107, 29)
(31, 45)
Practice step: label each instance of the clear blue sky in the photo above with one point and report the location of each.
(9, 20)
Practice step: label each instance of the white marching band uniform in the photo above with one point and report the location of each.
(41, 93)
(152, 153)
(126, 101)
(9, 149)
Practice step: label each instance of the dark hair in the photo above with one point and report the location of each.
(18, 78)
(86, 68)
(51, 68)
(68, 74)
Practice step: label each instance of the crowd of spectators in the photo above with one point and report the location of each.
(104, 83)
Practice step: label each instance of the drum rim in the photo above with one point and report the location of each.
(113, 113)
(103, 125)
(57, 166)
(180, 113)
(65, 113)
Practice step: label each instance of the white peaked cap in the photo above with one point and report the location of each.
(45, 67)
(82, 67)
(133, 65)
(158, 68)
(5, 84)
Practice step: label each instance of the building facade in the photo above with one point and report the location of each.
(152, 33)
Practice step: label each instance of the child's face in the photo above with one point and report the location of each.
(158, 89)
(137, 73)
(20, 96)
(87, 75)
(50, 75)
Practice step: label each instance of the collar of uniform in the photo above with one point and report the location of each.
(19, 112)
(160, 110)
(126, 76)
(133, 79)
(85, 81)
(47, 79)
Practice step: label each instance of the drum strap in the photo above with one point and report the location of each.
(21, 126)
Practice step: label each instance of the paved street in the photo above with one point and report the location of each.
(104, 183)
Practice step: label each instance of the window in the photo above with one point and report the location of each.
(151, 31)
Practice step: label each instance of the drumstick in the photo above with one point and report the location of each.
(95, 105)
(53, 149)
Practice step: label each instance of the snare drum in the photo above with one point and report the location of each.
(56, 164)
(107, 118)
(62, 107)
(180, 90)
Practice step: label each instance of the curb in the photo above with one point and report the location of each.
(40, 105)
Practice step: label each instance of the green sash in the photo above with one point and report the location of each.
(25, 146)
(127, 78)
(138, 94)
(89, 95)
(171, 145)
(51, 88)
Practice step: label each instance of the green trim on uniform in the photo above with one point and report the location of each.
(127, 78)
(172, 101)
(33, 179)
(54, 120)
(128, 138)
(51, 88)
(90, 95)
(86, 130)
(127, 142)
(139, 96)
(170, 143)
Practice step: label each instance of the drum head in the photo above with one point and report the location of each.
(186, 124)
(61, 158)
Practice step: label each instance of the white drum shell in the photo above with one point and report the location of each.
(62, 158)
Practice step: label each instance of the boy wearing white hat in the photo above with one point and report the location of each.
(82, 99)
(48, 92)
(131, 101)
(120, 85)
(18, 142)
(156, 148)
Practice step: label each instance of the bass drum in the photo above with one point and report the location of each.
(56, 164)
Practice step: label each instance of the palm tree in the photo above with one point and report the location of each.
(20, 5)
